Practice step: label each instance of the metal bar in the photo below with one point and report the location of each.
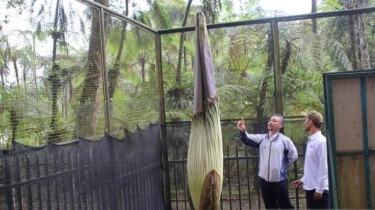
(238, 178)
(118, 15)
(98, 174)
(248, 178)
(351, 74)
(258, 187)
(137, 183)
(232, 158)
(38, 185)
(46, 172)
(28, 187)
(107, 111)
(107, 106)
(91, 183)
(17, 173)
(121, 183)
(70, 158)
(295, 178)
(292, 118)
(7, 180)
(56, 169)
(175, 179)
(82, 177)
(229, 178)
(276, 68)
(67, 178)
(133, 184)
(270, 20)
(163, 132)
(331, 142)
(142, 181)
(365, 143)
(183, 154)
(127, 196)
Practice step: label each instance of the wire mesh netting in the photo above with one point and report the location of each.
(70, 71)
(311, 47)
(80, 71)
(240, 72)
(132, 76)
(57, 82)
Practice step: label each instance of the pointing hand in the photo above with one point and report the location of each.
(241, 125)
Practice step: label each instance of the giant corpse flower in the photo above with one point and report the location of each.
(205, 155)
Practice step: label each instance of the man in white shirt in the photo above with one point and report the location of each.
(315, 178)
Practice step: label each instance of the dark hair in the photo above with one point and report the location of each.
(318, 125)
(281, 118)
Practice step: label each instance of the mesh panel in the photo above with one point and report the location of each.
(53, 73)
(243, 81)
(132, 77)
(89, 121)
(305, 53)
(56, 92)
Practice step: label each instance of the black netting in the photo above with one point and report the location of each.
(83, 174)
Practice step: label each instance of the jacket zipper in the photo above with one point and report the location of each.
(269, 161)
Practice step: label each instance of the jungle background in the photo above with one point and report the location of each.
(70, 71)
(51, 85)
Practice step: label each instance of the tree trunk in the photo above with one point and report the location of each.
(143, 60)
(13, 118)
(14, 59)
(353, 55)
(86, 113)
(264, 86)
(181, 47)
(55, 80)
(115, 72)
(34, 67)
(286, 57)
(362, 36)
(2, 69)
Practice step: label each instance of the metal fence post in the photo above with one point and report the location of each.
(107, 111)
(276, 67)
(163, 131)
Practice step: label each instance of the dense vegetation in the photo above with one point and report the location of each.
(51, 68)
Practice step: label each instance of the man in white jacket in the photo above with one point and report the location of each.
(315, 178)
(276, 153)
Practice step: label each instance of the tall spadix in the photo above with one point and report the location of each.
(205, 155)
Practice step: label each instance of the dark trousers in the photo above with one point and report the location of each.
(275, 194)
(317, 204)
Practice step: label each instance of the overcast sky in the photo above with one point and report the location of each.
(290, 7)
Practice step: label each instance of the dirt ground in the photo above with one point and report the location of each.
(227, 204)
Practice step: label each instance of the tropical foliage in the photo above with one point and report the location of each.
(53, 87)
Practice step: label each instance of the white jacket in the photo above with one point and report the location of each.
(275, 155)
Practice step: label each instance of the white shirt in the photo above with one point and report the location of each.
(271, 138)
(316, 164)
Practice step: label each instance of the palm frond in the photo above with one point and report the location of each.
(339, 53)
